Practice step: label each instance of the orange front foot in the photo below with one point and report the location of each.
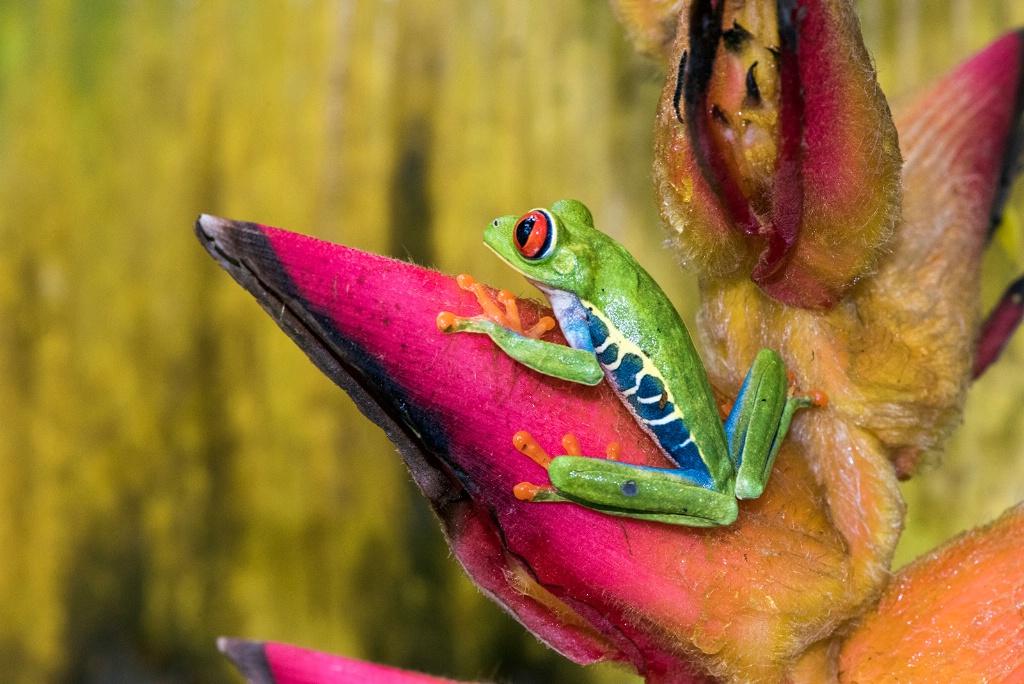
(509, 318)
(528, 446)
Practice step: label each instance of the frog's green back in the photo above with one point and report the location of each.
(639, 311)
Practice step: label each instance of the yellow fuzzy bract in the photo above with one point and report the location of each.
(953, 612)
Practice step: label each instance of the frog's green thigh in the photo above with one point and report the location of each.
(556, 360)
(759, 421)
(660, 494)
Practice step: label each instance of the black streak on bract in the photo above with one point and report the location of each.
(705, 34)
(789, 18)
(680, 78)
(1014, 155)
(736, 37)
(753, 92)
(719, 115)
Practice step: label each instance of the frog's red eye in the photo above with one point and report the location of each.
(534, 233)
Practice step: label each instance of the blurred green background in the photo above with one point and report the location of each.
(172, 468)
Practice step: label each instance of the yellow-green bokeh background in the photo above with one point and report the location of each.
(172, 468)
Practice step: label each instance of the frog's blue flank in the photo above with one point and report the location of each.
(641, 385)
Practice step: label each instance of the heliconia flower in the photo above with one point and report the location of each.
(671, 601)
(770, 596)
(273, 663)
(776, 154)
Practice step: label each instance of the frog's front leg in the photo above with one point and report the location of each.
(759, 421)
(665, 495)
(505, 330)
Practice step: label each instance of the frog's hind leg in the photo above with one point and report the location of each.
(528, 446)
(606, 485)
(759, 421)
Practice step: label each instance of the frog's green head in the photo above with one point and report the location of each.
(552, 247)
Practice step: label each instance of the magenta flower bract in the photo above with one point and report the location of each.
(273, 663)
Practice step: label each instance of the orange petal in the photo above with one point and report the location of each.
(954, 615)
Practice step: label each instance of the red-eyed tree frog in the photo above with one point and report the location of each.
(620, 326)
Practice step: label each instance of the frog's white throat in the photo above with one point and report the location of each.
(571, 314)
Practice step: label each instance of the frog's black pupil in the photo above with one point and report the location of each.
(629, 488)
(524, 229)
